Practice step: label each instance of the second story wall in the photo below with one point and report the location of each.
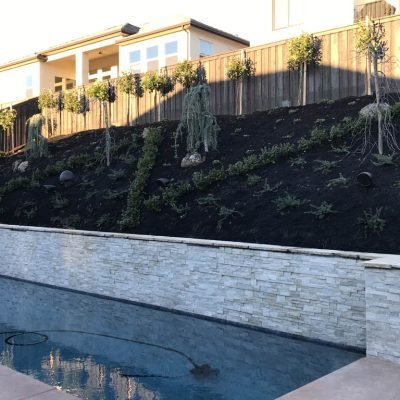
(154, 53)
(289, 18)
(20, 83)
(203, 43)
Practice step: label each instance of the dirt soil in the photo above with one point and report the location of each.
(242, 208)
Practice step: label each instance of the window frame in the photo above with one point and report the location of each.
(138, 52)
(288, 23)
(150, 57)
(202, 54)
(169, 53)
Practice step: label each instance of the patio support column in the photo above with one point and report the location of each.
(81, 69)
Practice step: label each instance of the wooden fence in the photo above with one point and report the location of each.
(340, 74)
(24, 111)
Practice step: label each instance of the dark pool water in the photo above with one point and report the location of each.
(102, 349)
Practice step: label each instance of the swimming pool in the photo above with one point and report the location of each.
(97, 348)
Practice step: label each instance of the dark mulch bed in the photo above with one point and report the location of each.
(98, 195)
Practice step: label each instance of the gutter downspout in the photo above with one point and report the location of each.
(187, 42)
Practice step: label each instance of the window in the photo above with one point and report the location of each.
(29, 81)
(205, 48)
(134, 56)
(58, 84)
(172, 60)
(28, 86)
(69, 84)
(171, 48)
(152, 65)
(152, 52)
(287, 13)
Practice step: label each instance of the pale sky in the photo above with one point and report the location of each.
(28, 26)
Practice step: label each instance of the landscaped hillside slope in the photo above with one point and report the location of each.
(287, 176)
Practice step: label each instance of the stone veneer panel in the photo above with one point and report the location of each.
(382, 297)
(318, 294)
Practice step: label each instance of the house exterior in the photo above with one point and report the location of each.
(107, 54)
(153, 48)
(289, 18)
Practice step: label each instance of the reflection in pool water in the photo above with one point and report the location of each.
(103, 349)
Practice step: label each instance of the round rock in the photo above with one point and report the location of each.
(23, 166)
(67, 176)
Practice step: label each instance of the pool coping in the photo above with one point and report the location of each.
(204, 242)
(365, 379)
(17, 386)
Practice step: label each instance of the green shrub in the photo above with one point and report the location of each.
(185, 74)
(72, 102)
(53, 169)
(117, 174)
(99, 91)
(275, 153)
(383, 160)
(340, 181)
(395, 111)
(153, 203)
(36, 145)
(224, 213)
(325, 166)
(298, 162)
(288, 202)
(246, 165)
(317, 137)
(267, 188)
(171, 194)
(131, 215)
(46, 100)
(253, 180)
(83, 160)
(201, 180)
(238, 68)
(372, 221)
(59, 201)
(208, 201)
(321, 211)
(304, 49)
(14, 184)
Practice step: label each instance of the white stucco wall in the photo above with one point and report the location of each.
(49, 70)
(318, 15)
(13, 83)
(219, 44)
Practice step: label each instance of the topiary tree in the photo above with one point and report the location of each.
(130, 84)
(47, 103)
(104, 92)
(197, 121)
(371, 43)
(36, 145)
(185, 74)
(238, 70)
(71, 101)
(72, 104)
(304, 50)
(159, 84)
(7, 120)
(188, 76)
